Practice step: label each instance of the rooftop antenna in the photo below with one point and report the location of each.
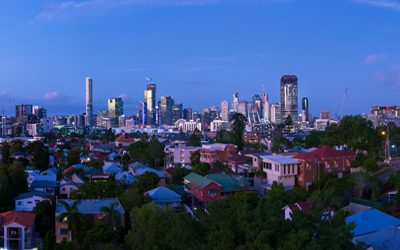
(342, 105)
(148, 78)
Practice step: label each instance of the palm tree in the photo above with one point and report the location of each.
(71, 216)
(111, 214)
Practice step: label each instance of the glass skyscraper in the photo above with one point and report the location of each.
(150, 100)
(289, 97)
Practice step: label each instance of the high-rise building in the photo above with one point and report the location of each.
(225, 110)
(289, 97)
(39, 111)
(177, 112)
(235, 102)
(257, 105)
(304, 109)
(188, 114)
(24, 113)
(89, 102)
(242, 108)
(115, 107)
(142, 113)
(150, 100)
(276, 113)
(266, 107)
(166, 106)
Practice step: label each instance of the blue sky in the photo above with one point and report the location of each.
(199, 51)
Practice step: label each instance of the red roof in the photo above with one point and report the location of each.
(323, 153)
(25, 219)
(302, 205)
(124, 138)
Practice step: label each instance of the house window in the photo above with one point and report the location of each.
(212, 193)
(64, 231)
(19, 203)
(29, 202)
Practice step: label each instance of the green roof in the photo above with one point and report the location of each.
(198, 179)
(227, 182)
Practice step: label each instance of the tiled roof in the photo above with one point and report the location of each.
(25, 219)
(227, 182)
(124, 138)
(324, 152)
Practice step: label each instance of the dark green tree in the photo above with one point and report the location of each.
(238, 125)
(45, 217)
(195, 138)
(74, 157)
(201, 169)
(6, 153)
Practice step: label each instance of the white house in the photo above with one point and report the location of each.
(28, 201)
(17, 230)
(281, 169)
(181, 154)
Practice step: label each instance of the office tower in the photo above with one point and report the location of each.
(242, 108)
(266, 107)
(115, 107)
(188, 114)
(213, 113)
(158, 114)
(150, 100)
(205, 117)
(324, 115)
(225, 110)
(121, 121)
(24, 113)
(89, 102)
(166, 106)
(304, 109)
(177, 112)
(142, 113)
(235, 102)
(39, 112)
(276, 113)
(257, 105)
(289, 97)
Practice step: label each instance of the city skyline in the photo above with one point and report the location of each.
(213, 54)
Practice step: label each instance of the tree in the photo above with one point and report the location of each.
(238, 125)
(155, 152)
(154, 228)
(45, 219)
(99, 235)
(74, 156)
(288, 121)
(178, 173)
(40, 155)
(147, 181)
(195, 157)
(49, 240)
(195, 138)
(98, 190)
(112, 216)
(132, 198)
(224, 136)
(73, 218)
(313, 139)
(6, 153)
(201, 169)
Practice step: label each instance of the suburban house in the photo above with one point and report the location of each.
(124, 140)
(236, 163)
(217, 152)
(302, 206)
(69, 185)
(180, 154)
(17, 230)
(375, 229)
(202, 188)
(44, 186)
(282, 169)
(164, 197)
(28, 201)
(125, 177)
(322, 160)
(49, 175)
(111, 168)
(229, 184)
(138, 169)
(90, 208)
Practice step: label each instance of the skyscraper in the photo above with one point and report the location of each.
(242, 108)
(177, 112)
(24, 113)
(304, 109)
(235, 102)
(225, 110)
(166, 106)
(115, 107)
(188, 114)
(276, 113)
(89, 102)
(150, 100)
(257, 105)
(142, 113)
(289, 97)
(266, 107)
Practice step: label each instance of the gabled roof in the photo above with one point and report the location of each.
(90, 206)
(302, 205)
(32, 194)
(227, 182)
(43, 184)
(197, 179)
(324, 152)
(124, 138)
(370, 221)
(163, 195)
(385, 239)
(25, 219)
(142, 170)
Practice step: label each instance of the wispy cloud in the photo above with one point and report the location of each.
(390, 76)
(74, 8)
(391, 4)
(374, 58)
(3, 93)
(51, 95)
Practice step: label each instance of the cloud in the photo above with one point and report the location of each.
(3, 93)
(374, 58)
(123, 96)
(390, 76)
(390, 4)
(51, 95)
(74, 8)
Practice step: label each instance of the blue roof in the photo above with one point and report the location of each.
(163, 195)
(32, 194)
(142, 170)
(112, 169)
(370, 221)
(43, 184)
(91, 206)
(126, 176)
(385, 239)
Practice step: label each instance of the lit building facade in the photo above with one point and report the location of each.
(150, 100)
(289, 97)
